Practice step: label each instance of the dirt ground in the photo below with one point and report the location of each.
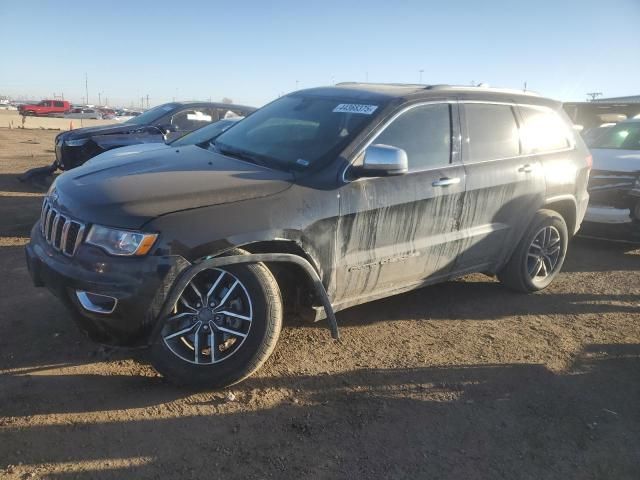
(463, 380)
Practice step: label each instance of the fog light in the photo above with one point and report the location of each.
(96, 303)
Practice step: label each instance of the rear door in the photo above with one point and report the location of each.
(398, 231)
(505, 187)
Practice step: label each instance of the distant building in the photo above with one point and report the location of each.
(630, 99)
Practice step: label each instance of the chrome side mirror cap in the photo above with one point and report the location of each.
(383, 160)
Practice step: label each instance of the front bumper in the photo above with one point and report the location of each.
(140, 286)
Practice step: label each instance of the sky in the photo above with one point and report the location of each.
(254, 51)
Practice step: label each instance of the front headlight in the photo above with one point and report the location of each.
(76, 143)
(121, 242)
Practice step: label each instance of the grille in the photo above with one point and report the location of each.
(61, 232)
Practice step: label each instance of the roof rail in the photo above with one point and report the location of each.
(484, 87)
(444, 86)
(384, 84)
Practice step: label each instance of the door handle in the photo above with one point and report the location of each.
(445, 182)
(526, 169)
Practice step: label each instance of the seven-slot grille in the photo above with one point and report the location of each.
(61, 232)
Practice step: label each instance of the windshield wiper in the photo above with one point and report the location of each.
(241, 154)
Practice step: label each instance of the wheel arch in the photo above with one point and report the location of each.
(567, 207)
(296, 285)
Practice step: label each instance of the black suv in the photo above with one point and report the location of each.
(323, 199)
(162, 123)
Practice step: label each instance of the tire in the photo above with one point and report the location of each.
(528, 257)
(256, 295)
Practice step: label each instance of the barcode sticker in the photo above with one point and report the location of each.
(355, 108)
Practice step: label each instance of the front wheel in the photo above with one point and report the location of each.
(540, 254)
(223, 327)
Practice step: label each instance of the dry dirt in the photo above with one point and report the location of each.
(461, 380)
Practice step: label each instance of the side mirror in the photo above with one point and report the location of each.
(383, 160)
(167, 128)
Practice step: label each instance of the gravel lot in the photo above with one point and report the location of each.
(461, 380)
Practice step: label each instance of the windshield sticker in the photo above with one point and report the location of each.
(355, 108)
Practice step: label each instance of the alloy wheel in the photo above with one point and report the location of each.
(211, 319)
(544, 254)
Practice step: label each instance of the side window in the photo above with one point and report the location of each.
(492, 130)
(58, 104)
(228, 113)
(543, 130)
(187, 120)
(424, 133)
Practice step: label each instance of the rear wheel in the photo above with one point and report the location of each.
(223, 327)
(539, 256)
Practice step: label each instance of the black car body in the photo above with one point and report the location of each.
(379, 188)
(162, 123)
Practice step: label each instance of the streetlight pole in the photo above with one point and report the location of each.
(86, 86)
(420, 72)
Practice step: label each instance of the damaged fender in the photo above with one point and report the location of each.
(188, 274)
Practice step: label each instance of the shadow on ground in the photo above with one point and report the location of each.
(480, 421)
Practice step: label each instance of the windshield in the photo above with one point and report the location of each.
(297, 131)
(152, 115)
(623, 136)
(205, 134)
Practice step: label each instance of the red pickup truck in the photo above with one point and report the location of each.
(45, 108)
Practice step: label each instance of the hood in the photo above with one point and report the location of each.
(131, 152)
(127, 191)
(614, 160)
(121, 128)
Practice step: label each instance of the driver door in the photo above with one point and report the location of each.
(399, 231)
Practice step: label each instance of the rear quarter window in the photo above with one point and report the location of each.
(492, 132)
(543, 130)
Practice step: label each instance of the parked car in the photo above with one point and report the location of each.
(203, 136)
(323, 199)
(8, 106)
(614, 185)
(45, 108)
(162, 123)
(124, 115)
(84, 113)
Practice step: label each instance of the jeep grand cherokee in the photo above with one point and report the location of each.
(325, 197)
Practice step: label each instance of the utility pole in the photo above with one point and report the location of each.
(525, 86)
(99, 98)
(297, 83)
(147, 101)
(420, 72)
(594, 95)
(86, 86)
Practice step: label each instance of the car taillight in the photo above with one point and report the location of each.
(589, 162)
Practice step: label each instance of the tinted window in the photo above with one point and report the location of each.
(152, 115)
(187, 120)
(58, 104)
(424, 133)
(542, 130)
(298, 131)
(493, 132)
